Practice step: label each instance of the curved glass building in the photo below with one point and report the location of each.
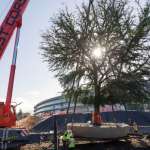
(58, 104)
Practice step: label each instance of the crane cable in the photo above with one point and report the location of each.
(75, 101)
(5, 8)
(70, 98)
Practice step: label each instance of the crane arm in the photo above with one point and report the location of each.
(11, 22)
(12, 73)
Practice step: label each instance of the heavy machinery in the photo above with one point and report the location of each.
(12, 22)
(13, 137)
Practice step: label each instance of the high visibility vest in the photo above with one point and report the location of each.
(69, 135)
(71, 143)
(65, 138)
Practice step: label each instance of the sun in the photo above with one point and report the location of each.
(98, 52)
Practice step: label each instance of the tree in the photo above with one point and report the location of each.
(100, 52)
(19, 114)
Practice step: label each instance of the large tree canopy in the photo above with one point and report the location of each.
(101, 51)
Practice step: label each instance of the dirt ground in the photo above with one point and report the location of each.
(133, 143)
(111, 146)
(27, 122)
(39, 146)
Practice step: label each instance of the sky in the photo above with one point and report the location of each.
(33, 81)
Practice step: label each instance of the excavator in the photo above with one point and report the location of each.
(12, 22)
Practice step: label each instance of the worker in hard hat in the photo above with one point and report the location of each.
(68, 141)
(65, 140)
(71, 145)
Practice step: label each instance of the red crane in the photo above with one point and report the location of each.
(12, 21)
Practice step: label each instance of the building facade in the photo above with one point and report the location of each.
(58, 105)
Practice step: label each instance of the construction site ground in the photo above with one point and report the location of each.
(130, 143)
(27, 122)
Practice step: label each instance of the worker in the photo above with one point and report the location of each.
(65, 140)
(135, 127)
(68, 141)
(71, 142)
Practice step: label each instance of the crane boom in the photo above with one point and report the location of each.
(11, 21)
(12, 73)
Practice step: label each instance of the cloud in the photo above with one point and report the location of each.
(29, 99)
(26, 105)
(33, 93)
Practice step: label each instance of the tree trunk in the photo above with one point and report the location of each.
(113, 113)
(96, 118)
(96, 108)
(128, 117)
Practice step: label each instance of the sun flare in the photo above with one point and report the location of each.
(98, 52)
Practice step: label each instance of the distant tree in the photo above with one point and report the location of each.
(101, 52)
(20, 114)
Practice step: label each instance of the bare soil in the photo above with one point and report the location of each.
(27, 122)
(133, 143)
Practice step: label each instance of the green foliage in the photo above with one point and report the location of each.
(122, 71)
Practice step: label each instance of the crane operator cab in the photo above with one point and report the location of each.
(7, 119)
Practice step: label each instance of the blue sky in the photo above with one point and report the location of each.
(33, 81)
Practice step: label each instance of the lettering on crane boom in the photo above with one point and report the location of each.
(10, 138)
(11, 21)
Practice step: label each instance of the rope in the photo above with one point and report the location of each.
(68, 106)
(75, 104)
(90, 4)
(75, 100)
(74, 109)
